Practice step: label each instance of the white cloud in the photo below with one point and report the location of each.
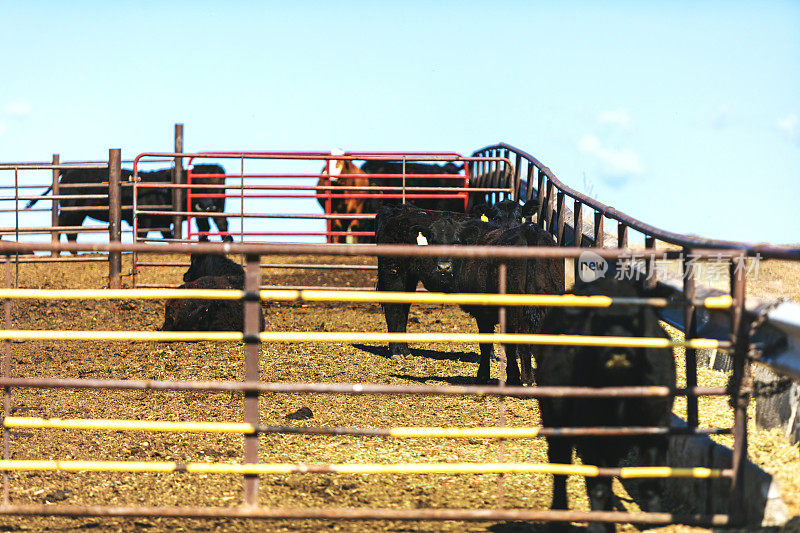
(619, 118)
(616, 162)
(788, 125)
(17, 109)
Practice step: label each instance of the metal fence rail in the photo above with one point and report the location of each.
(252, 387)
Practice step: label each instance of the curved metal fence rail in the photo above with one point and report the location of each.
(252, 387)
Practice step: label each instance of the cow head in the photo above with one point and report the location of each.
(213, 175)
(443, 232)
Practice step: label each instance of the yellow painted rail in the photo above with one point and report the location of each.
(400, 468)
(566, 300)
(15, 422)
(350, 337)
(18, 422)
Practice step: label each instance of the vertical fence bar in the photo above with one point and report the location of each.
(7, 390)
(650, 262)
(114, 216)
(328, 201)
(241, 199)
(599, 233)
(55, 235)
(501, 382)
(252, 326)
(548, 215)
(739, 379)
(577, 232)
(404, 179)
(622, 235)
(517, 177)
(177, 179)
(529, 183)
(690, 332)
(540, 198)
(493, 170)
(560, 219)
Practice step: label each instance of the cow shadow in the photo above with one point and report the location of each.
(450, 380)
(383, 351)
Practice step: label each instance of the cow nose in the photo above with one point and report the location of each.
(204, 206)
(445, 266)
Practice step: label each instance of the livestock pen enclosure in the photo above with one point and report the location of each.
(110, 422)
(430, 364)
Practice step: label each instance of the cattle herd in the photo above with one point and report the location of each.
(81, 182)
(421, 222)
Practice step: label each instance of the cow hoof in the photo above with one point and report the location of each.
(596, 527)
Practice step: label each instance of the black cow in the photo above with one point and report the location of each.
(208, 271)
(212, 265)
(209, 205)
(152, 198)
(599, 367)
(409, 225)
(73, 211)
(207, 315)
(504, 212)
(413, 170)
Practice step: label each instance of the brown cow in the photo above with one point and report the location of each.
(343, 173)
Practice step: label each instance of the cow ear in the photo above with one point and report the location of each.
(529, 208)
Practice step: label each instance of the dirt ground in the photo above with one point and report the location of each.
(303, 362)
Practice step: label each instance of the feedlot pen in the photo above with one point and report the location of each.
(108, 422)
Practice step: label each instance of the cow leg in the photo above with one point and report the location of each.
(654, 453)
(525, 357)
(559, 451)
(396, 314)
(71, 218)
(222, 226)
(485, 325)
(202, 226)
(600, 499)
(514, 320)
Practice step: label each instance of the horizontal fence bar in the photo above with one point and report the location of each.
(363, 388)
(350, 337)
(566, 300)
(383, 250)
(12, 422)
(629, 472)
(283, 513)
(318, 266)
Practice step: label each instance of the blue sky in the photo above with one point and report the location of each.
(684, 115)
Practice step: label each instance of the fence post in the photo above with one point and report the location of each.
(739, 383)
(55, 234)
(690, 332)
(577, 232)
(177, 179)
(114, 216)
(252, 327)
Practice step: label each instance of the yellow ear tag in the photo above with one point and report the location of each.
(484, 218)
(421, 240)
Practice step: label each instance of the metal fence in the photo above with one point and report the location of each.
(493, 173)
(737, 343)
(246, 186)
